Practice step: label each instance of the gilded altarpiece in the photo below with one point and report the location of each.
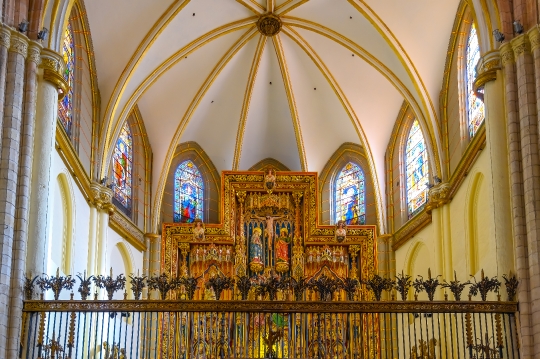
(269, 227)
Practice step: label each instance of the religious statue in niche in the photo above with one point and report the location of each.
(256, 264)
(198, 230)
(270, 180)
(282, 251)
(269, 226)
(341, 231)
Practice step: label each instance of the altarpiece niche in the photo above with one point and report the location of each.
(269, 226)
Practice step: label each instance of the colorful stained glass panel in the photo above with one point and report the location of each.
(350, 192)
(65, 107)
(123, 166)
(417, 170)
(475, 106)
(188, 193)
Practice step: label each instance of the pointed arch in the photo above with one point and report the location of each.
(209, 197)
(264, 165)
(188, 193)
(122, 170)
(65, 106)
(471, 218)
(416, 166)
(350, 195)
(68, 214)
(353, 154)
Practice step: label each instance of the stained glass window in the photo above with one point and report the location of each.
(350, 192)
(188, 193)
(65, 107)
(416, 169)
(123, 166)
(475, 105)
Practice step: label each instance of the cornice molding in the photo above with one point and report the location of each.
(507, 53)
(409, 229)
(34, 52)
(125, 227)
(487, 69)
(53, 67)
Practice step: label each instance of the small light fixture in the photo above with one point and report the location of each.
(499, 36)
(429, 185)
(42, 35)
(437, 179)
(518, 28)
(23, 26)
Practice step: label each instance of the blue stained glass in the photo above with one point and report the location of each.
(350, 192)
(416, 169)
(475, 106)
(123, 167)
(188, 193)
(65, 107)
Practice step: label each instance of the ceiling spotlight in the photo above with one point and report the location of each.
(499, 36)
(518, 28)
(23, 26)
(42, 35)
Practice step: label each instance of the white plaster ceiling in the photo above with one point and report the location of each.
(350, 65)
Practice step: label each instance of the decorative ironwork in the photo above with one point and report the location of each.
(137, 285)
(429, 286)
(298, 287)
(28, 287)
(485, 286)
(325, 286)
(190, 285)
(424, 349)
(56, 283)
(377, 284)
(350, 286)
(219, 283)
(270, 285)
(456, 287)
(163, 284)
(403, 284)
(110, 284)
(511, 284)
(85, 284)
(244, 284)
(270, 341)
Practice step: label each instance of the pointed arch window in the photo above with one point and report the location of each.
(475, 105)
(350, 195)
(416, 169)
(65, 107)
(123, 168)
(188, 193)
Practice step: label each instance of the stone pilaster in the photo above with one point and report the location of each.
(148, 238)
(51, 66)
(5, 43)
(23, 199)
(9, 166)
(531, 170)
(155, 246)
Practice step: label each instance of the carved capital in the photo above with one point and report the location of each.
(34, 52)
(102, 197)
(5, 37)
(438, 196)
(534, 38)
(53, 67)
(18, 43)
(521, 45)
(153, 237)
(507, 53)
(487, 69)
(241, 195)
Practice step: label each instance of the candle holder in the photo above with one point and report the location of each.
(456, 287)
(484, 286)
(110, 284)
(429, 286)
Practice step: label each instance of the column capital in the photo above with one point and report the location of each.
(152, 236)
(34, 52)
(439, 195)
(102, 197)
(18, 43)
(487, 69)
(521, 45)
(507, 53)
(534, 37)
(5, 36)
(53, 67)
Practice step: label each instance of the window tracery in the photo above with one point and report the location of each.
(475, 105)
(188, 193)
(416, 170)
(65, 107)
(123, 167)
(350, 195)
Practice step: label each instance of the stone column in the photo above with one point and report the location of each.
(23, 199)
(5, 42)
(52, 65)
(531, 169)
(438, 198)
(105, 208)
(9, 167)
(146, 264)
(155, 251)
(91, 264)
(516, 197)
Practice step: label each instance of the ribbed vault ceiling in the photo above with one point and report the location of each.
(201, 71)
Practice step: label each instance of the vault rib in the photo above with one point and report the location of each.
(240, 43)
(247, 100)
(288, 6)
(253, 6)
(292, 103)
(297, 38)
